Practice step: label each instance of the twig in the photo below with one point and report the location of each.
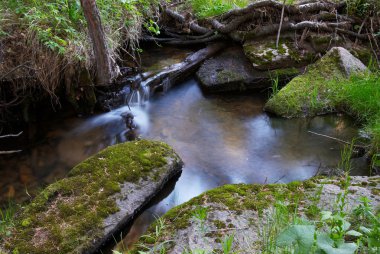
(10, 152)
(11, 135)
(226, 229)
(280, 179)
(360, 30)
(279, 28)
(336, 139)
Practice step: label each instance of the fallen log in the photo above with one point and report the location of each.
(184, 41)
(178, 72)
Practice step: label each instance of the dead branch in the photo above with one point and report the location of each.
(11, 135)
(290, 9)
(181, 19)
(10, 152)
(180, 42)
(234, 24)
(289, 26)
(337, 139)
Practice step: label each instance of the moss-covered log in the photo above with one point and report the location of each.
(102, 194)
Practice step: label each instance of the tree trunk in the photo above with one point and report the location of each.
(106, 68)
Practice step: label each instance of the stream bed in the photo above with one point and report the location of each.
(222, 139)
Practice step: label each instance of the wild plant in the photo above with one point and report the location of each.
(200, 214)
(6, 219)
(227, 244)
(275, 86)
(369, 226)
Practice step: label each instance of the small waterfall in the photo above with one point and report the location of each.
(166, 84)
(137, 96)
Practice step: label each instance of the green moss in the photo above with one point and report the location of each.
(287, 72)
(375, 191)
(262, 54)
(235, 198)
(310, 94)
(68, 214)
(219, 224)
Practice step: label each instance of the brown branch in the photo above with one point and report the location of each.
(290, 9)
(289, 26)
(176, 41)
(234, 24)
(181, 19)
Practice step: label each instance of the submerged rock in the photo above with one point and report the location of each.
(81, 212)
(232, 71)
(244, 212)
(314, 92)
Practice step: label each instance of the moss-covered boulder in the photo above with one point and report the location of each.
(264, 55)
(246, 213)
(315, 92)
(79, 213)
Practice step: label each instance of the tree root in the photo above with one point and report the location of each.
(261, 19)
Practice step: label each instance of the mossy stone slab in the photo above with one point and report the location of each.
(100, 195)
(244, 210)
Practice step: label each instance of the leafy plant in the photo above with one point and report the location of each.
(200, 214)
(152, 27)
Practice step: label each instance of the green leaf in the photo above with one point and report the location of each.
(354, 233)
(365, 230)
(301, 235)
(325, 215)
(327, 245)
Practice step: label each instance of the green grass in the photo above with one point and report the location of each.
(361, 98)
(324, 89)
(6, 219)
(210, 8)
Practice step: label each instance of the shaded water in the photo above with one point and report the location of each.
(221, 138)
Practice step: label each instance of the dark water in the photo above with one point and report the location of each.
(222, 139)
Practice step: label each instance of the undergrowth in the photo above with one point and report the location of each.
(61, 27)
(210, 8)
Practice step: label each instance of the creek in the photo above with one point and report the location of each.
(222, 139)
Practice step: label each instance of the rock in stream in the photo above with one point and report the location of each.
(100, 196)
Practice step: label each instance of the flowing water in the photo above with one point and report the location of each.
(221, 138)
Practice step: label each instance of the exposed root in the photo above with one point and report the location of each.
(262, 18)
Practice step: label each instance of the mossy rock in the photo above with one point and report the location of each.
(264, 55)
(100, 195)
(243, 210)
(316, 91)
